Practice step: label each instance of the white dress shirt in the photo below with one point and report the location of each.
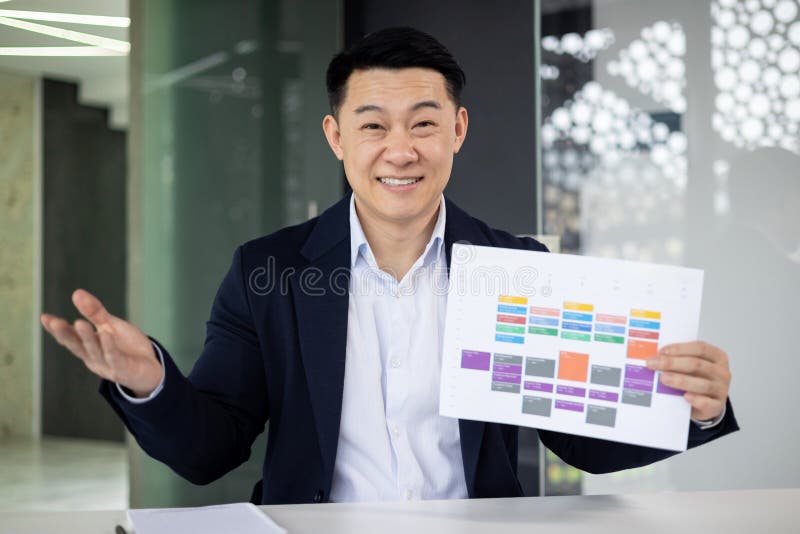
(393, 444)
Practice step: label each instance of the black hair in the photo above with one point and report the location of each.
(393, 48)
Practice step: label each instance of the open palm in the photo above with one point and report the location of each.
(110, 347)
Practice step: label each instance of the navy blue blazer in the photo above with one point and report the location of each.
(275, 351)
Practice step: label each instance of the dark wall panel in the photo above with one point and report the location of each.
(84, 246)
(493, 175)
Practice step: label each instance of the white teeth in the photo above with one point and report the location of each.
(399, 181)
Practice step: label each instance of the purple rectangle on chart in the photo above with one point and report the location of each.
(663, 388)
(568, 405)
(571, 390)
(507, 368)
(641, 385)
(538, 386)
(473, 359)
(511, 378)
(639, 372)
(603, 395)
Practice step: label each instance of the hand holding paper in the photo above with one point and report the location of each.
(701, 370)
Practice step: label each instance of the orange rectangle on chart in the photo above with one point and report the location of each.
(573, 366)
(645, 314)
(641, 350)
(578, 306)
(508, 299)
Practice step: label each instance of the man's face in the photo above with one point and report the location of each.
(396, 133)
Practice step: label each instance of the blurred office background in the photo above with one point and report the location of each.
(141, 141)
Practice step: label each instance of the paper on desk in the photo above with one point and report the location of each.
(239, 518)
(559, 342)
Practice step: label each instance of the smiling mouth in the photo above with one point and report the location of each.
(398, 181)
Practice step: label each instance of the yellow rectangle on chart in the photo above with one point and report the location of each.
(508, 299)
(644, 314)
(577, 306)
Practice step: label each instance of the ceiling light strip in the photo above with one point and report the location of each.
(91, 20)
(70, 35)
(52, 51)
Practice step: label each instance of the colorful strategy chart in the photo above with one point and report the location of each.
(559, 342)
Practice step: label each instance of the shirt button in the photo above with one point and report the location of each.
(395, 431)
(319, 496)
(408, 495)
(395, 363)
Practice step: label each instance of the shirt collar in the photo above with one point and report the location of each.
(359, 244)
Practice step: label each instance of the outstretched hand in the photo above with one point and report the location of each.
(110, 347)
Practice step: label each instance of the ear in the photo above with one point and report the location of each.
(331, 129)
(462, 121)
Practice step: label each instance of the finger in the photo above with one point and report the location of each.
(111, 352)
(693, 384)
(696, 348)
(90, 307)
(66, 336)
(705, 406)
(690, 365)
(90, 342)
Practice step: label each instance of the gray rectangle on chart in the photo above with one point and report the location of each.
(606, 376)
(505, 386)
(536, 405)
(634, 396)
(540, 367)
(601, 415)
(507, 358)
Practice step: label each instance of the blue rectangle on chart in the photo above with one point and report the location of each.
(579, 327)
(505, 308)
(509, 339)
(653, 325)
(543, 321)
(609, 328)
(574, 316)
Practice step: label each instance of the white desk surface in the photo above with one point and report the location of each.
(730, 512)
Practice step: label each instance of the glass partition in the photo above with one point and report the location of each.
(670, 134)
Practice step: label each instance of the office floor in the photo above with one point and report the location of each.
(63, 474)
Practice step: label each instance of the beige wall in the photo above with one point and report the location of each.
(18, 247)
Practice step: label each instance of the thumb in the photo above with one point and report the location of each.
(90, 307)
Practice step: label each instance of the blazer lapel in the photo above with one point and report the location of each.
(320, 294)
(460, 227)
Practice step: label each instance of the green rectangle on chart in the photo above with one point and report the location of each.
(577, 336)
(605, 338)
(510, 329)
(543, 331)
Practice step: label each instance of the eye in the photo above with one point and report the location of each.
(371, 126)
(424, 124)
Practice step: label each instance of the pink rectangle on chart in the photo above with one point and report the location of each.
(569, 405)
(613, 319)
(506, 377)
(550, 312)
(538, 386)
(603, 395)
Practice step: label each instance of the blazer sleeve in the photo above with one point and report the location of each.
(595, 455)
(202, 426)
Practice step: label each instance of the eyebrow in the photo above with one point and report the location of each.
(419, 105)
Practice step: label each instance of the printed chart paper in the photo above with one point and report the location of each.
(559, 342)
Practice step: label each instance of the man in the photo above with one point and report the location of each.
(346, 365)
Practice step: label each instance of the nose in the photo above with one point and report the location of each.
(400, 149)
